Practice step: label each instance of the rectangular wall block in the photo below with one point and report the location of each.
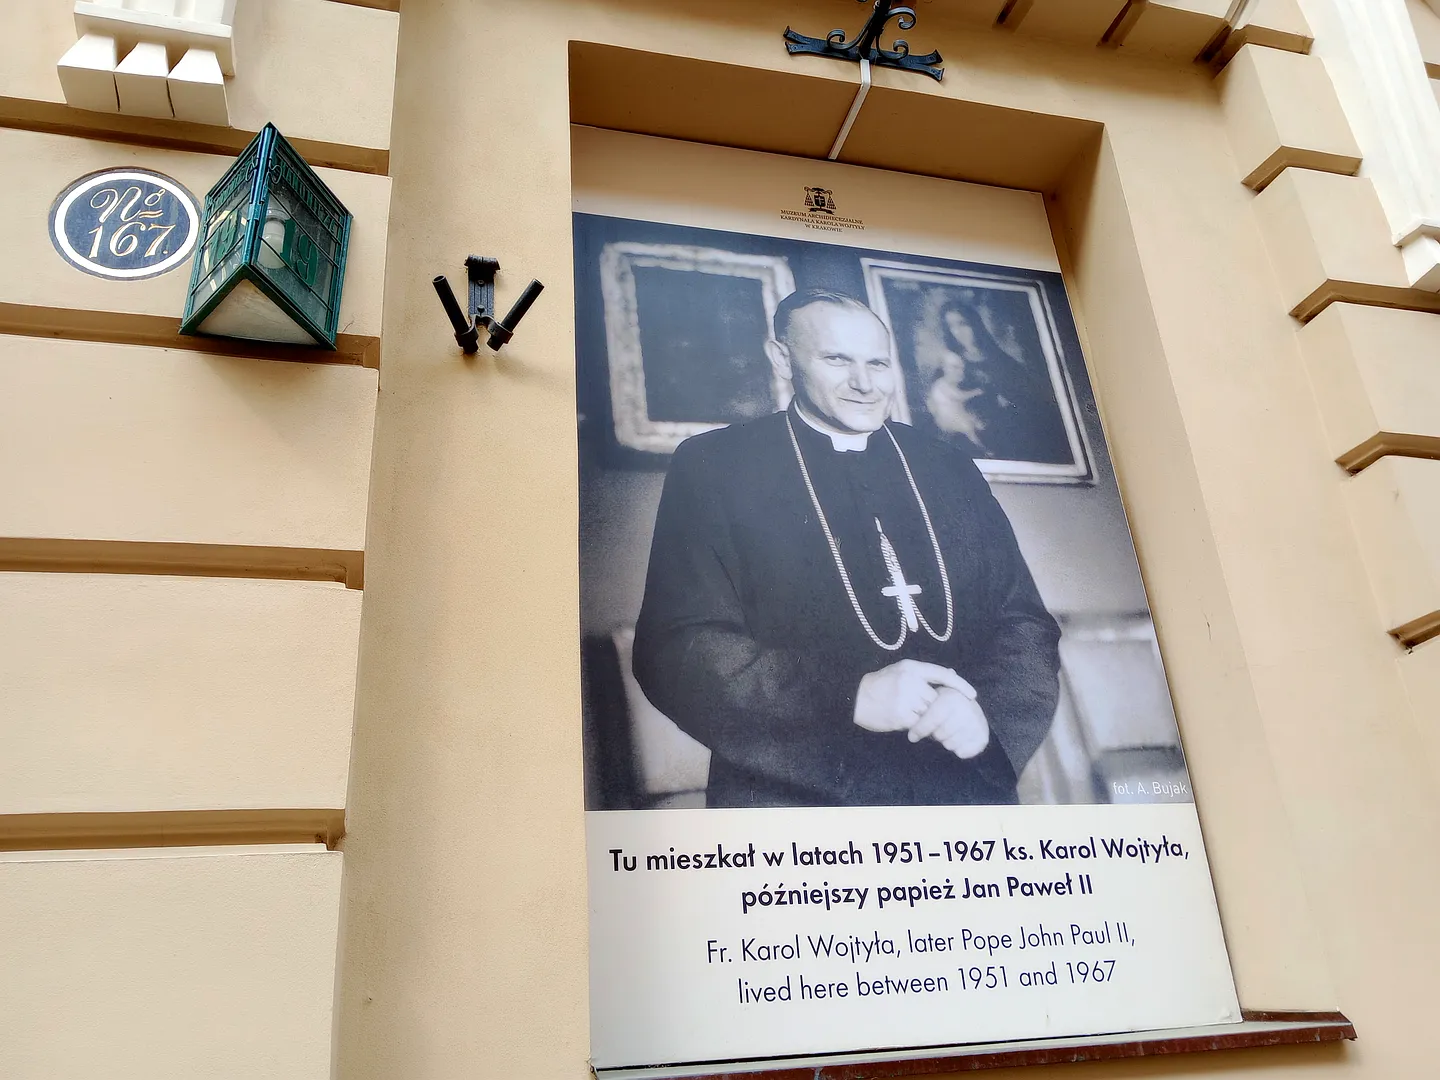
(1281, 111)
(1174, 29)
(972, 12)
(1373, 370)
(197, 89)
(124, 442)
(140, 80)
(1082, 21)
(1395, 510)
(131, 693)
(141, 965)
(87, 73)
(1321, 228)
(1420, 671)
(36, 274)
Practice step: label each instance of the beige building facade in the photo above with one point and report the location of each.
(290, 744)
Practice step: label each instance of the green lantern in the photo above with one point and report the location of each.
(270, 264)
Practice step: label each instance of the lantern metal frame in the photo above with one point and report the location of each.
(269, 158)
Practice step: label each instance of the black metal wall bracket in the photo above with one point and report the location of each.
(481, 272)
(866, 44)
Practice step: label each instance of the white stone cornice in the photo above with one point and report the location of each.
(1374, 60)
(177, 24)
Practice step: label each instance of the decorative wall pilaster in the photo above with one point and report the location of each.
(1374, 58)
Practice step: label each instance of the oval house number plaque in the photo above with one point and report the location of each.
(125, 223)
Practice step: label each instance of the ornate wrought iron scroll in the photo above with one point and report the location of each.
(866, 44)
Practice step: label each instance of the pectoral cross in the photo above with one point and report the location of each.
(903, 592)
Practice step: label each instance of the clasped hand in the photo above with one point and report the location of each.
(928, 701)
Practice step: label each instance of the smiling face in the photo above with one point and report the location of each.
(838, 358)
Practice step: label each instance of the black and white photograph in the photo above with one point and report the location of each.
(849, 535)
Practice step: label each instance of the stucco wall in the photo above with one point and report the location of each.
(1286, 683)
(1274, 575)
(181, 549)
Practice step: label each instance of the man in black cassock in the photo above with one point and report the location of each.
(835, 604)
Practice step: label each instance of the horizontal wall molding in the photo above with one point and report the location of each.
(1359, 292)
(1417, 631)
(170, 828)
(378, 5)
(183, 560)
(56, 118)
(131, 328)
(1389, 444)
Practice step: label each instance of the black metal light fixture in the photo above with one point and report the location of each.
(866, 44)
(481, 272)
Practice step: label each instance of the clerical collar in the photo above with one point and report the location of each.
(842, 440)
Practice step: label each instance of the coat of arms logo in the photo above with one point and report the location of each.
(819, 213)
(819, 200)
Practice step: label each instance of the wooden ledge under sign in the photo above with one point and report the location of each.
(1255, 1030)
(182, 560)
(171, 828)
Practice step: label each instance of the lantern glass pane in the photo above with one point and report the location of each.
(301, 246)
(222, 248)
(294, 258)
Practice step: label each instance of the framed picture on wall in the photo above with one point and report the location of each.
(685, 330)
(983, 367)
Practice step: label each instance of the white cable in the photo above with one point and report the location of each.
(854, 110)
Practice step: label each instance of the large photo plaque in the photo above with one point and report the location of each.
(879, 748)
